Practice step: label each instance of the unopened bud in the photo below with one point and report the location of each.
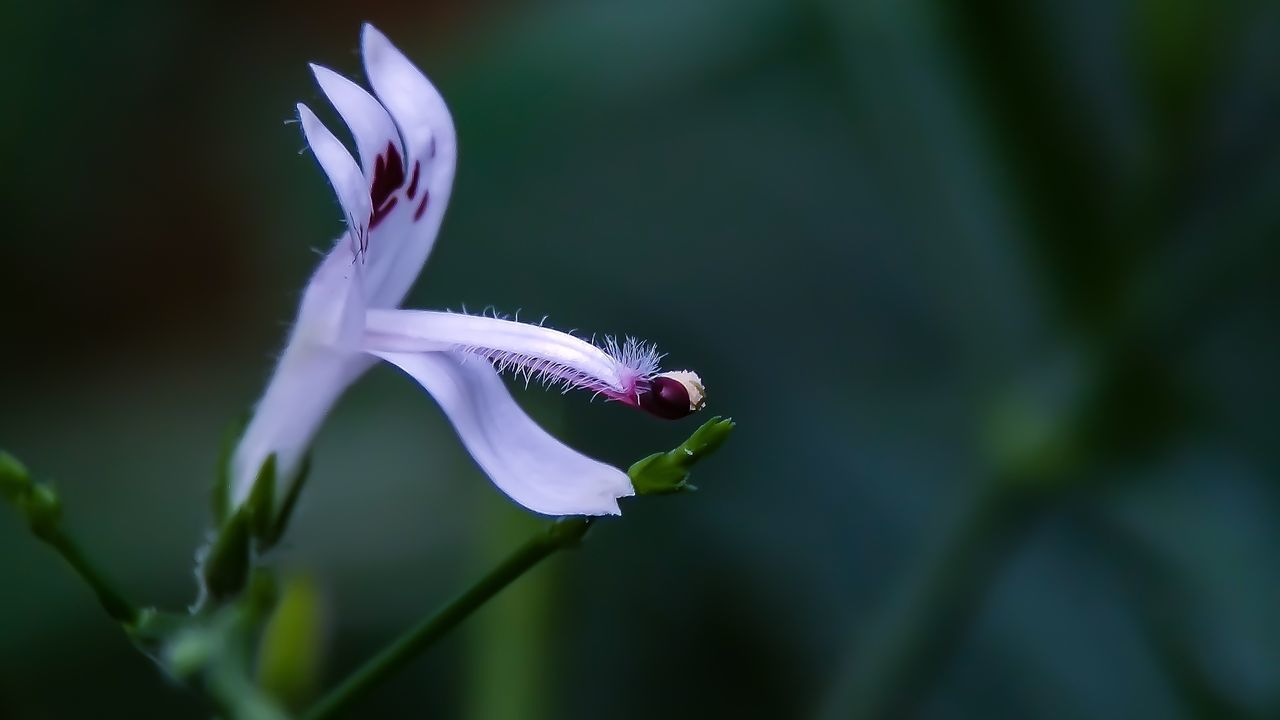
(14, 480)
(291, 653)
(668, 472)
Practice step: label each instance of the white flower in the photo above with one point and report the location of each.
(394, 202)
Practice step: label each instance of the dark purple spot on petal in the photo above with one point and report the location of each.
(388, 174)
(431, 149)
(422, 206)
(413, 182)
(382, 212)
(666, 398)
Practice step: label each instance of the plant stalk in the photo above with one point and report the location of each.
(563, 533)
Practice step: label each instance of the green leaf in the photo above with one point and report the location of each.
(668, 472)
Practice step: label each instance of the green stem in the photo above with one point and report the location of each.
(40, 506)
(560, 534)
(111, 599)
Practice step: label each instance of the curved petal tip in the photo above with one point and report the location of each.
(523, 460)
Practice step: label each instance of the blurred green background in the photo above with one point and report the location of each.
(989, 287)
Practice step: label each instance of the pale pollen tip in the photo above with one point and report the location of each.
(673, 395)
(692, 385)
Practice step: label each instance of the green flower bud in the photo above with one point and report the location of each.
(290, 657)
(15, 482)
(668, 472)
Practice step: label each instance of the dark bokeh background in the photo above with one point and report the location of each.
(990, 288)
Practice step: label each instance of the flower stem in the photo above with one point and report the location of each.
(111, 600)
(560, 534)
(39, 505)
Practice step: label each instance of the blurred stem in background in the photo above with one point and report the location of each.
(1037, 439)
(509, 644)
(1047, 442)
(1161, 598)
(1093, 225)
(913, 641)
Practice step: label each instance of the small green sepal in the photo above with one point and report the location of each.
(668, 472)
(261, 502)
(281, 522)
(226, 566)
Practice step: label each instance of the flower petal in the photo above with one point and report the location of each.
(333, 309)
(398, 248)
(369, 122)
(418, 109)
(345, 176)
(307, 382)
(403, 241)
(529, 465)
(319, 363)
(503, 341)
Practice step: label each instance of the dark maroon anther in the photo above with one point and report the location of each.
(666, 398)
(422, 205)
(388, 174)
(413, 180)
